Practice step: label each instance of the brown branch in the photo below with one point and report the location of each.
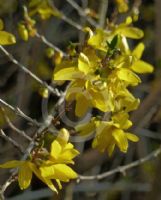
(10, 180)
(66, 19)
(49, 44)
(103, 12)
(13, 127)
(13, 142)
(71, 22)
(152, 99)
(27, 71)
(82, 13)
(20, 113)
(124, 168)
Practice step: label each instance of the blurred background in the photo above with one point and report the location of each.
(19, 90)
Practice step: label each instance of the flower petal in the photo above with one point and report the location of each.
(82, 104)
(12, 164)
(55, 149)
(138, 51)
(58, 171)
(121, 140)
(128, 76)
(48, 182)
(142, 67)
(122, 119)
(68, 74)
(85, 129)
(63, 137)
(59, 184)
(68, 155)
(111, 148)
(130, 32)
(83, 63)
(132, 137)
(100, 99)
(97, 39)
(24, 176)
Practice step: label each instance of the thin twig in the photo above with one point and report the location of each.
(19, 112)
(103, 12)
(71, 22)
(66, 19)
(9, 139)
(10, 180)
(45, 41)
(124, 168)
(82, 13)
(27, 71)
(13, 127)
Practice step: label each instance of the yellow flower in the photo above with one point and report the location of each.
(109, 134)
(122, 6)
(47, 166)
(105, 91)
(124, 29)
(126, 65)
(61, 154)
(5, 37)
(138, 65)
(25, 171)
(86, 87)
(132, 59)
(99, 39)
(100, 75)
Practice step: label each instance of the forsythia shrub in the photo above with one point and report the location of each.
(99, 76)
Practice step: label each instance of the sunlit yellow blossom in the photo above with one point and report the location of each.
(85, 85)
(132, 59)
(47, 166)
(99, 38)
(25, 171)
(61, 154)
(109, 134)
(99, 78)
(96, 86)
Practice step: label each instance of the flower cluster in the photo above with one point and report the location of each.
(100, 73)
(47, 165)
(100, 76)
(109, 133)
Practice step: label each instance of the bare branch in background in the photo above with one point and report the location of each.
(103, 12)
(20, 113)
(82, 13)
(13, 127)
(49, 44)
(27, 71)
(124, 168)
(13, 142)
